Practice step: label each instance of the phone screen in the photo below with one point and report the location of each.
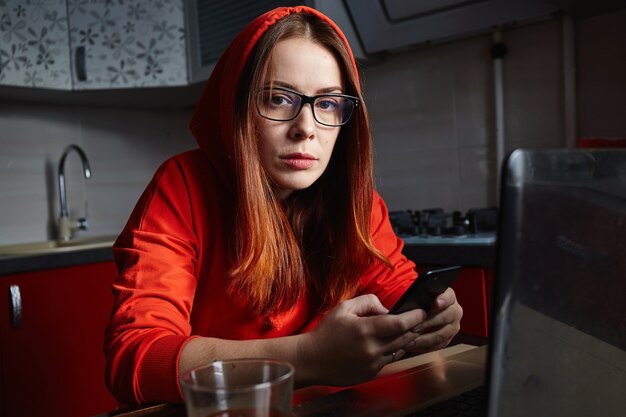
(424, 290)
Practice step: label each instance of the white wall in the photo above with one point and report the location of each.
(435, 121)
(432, 115)
(124, 148)
(433, 108)
(432, 120)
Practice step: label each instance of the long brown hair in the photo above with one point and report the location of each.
(318, 238)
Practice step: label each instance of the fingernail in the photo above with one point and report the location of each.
(417, 328)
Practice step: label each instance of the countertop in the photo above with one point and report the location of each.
(435, 251)
(38, 256)
(478, 250)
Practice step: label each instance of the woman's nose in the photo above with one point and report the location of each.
(303, 126)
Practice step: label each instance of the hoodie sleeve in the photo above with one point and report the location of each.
(387, 284)
(149, 325)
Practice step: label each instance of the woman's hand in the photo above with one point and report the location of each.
(441, 325)
(355, 340)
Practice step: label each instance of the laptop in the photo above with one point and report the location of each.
(557, 343)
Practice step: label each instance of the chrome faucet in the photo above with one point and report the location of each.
(66, 225)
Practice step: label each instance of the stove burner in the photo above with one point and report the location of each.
(436, 222)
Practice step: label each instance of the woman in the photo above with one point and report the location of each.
(269, 239)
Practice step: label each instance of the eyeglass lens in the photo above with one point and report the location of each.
(282, 105)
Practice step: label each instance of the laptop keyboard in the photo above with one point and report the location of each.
(468, 404)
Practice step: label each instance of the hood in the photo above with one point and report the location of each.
(211, 123)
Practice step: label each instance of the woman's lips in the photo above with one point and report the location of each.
(298, 161)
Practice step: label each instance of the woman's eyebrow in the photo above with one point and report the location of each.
(325, 90)
(330, 90)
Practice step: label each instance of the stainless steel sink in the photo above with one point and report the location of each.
(54, 246)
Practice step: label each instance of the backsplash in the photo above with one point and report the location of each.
(431, 111)
(433, 127)
(124, 148)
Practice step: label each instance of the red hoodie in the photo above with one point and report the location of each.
(173, 261)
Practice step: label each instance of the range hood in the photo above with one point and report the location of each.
(388, 25)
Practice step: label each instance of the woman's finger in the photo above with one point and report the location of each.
(364, 305)
(442, 318)
(445, 299)
(434, 340)
(392, 325)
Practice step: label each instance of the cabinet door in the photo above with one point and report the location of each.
(52, 360)
(473, 290)
(34, 47)
(127, 44)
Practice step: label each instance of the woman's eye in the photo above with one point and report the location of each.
(327, 104)
(280, 100)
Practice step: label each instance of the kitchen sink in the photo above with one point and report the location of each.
(54, 246)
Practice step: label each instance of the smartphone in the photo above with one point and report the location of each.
(424, 290)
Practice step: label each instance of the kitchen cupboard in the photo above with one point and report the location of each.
(79, 45)
(34, 45)
(96, 45)
(473, 289)
(51, 355)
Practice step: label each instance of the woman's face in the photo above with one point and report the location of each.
(295, 153)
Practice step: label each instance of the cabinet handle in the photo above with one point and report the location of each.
(79, 62)
(16, 306)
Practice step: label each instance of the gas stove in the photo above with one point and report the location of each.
(436, 227)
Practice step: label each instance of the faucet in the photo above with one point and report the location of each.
(66, 225)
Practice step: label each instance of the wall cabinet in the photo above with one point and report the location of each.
(78, 45)
(34, 45)
(51, 355)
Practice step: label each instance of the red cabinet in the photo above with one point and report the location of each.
(473, 291)
(51, 357)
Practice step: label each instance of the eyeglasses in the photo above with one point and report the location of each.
(282, 104)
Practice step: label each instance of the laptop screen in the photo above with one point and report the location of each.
(559, 340)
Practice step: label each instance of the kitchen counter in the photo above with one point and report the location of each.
(469, 251)
(477, 250)
(38, 256)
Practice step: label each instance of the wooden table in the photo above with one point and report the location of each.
(399, 389)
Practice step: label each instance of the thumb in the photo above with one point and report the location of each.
(367, 305)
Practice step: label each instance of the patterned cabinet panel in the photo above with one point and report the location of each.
(92, 44)
(34, 46)
(124, 43)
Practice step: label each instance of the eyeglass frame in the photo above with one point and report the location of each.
(304, 99)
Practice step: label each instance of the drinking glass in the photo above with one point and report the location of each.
(239, 388)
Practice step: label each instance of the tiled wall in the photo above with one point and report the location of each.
(124, 147)
(433, 109)
(435, 124)
(432, 112)
(432, 121)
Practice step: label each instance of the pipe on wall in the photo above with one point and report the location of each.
(569, 81)
(498, 51)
